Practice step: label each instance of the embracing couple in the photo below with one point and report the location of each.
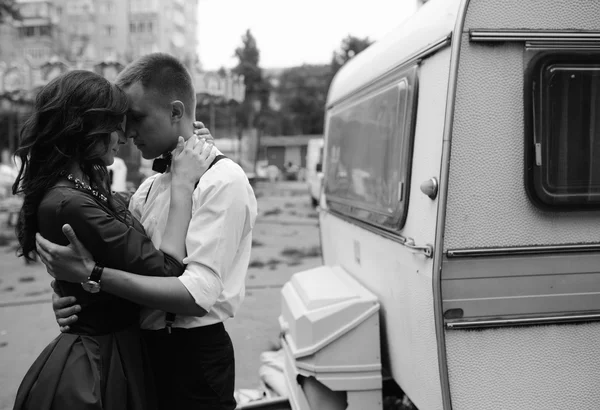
(152, 277)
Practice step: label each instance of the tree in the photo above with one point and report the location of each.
(257, 90)
(222, 72)
(302, 92)
(349, 48)
(248, 56)
(9, 9)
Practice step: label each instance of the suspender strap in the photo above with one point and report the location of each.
(148, 193)
(217, 159)
(169, 316)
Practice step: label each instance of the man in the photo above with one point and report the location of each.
(193, 362)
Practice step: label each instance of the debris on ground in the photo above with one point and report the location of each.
(272, 387)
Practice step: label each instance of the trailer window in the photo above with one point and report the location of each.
(564, 159)
(369, 148)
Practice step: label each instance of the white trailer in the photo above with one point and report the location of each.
(462, 190)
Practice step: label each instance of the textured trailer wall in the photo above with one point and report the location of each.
(533, 14)
(401, 279)
(534, 368)
(487, 203)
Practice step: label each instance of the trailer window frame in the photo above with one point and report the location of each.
(347, 201)
(545, 168)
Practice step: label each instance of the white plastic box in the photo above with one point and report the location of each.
(330, 328)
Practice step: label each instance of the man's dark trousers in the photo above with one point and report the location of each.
(192, 368)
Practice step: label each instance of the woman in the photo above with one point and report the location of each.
(66, 145)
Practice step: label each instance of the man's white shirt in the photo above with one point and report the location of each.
(218, 241)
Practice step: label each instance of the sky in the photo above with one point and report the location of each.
(291, 33)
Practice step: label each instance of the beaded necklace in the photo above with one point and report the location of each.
(79, 184)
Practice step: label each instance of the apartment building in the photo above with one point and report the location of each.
(164, 25)
(91, 31)
(36, 36)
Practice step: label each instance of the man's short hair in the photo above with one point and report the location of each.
(163, 73)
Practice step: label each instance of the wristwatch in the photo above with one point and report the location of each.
(92, 284)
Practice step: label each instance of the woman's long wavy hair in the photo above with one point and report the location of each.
(72, 120)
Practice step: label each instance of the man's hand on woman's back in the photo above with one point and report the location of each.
(65, 309)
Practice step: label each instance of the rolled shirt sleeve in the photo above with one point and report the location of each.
(221, 219)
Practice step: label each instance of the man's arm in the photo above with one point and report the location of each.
(65, 309)
(221, 219)
(224, 215)
(166, 294)
(73, 264)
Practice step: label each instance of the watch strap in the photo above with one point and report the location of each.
(96, 273)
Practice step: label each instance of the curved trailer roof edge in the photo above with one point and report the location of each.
(430, 24)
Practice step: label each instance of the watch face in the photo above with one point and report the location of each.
(91, 286)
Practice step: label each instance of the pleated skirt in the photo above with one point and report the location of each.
(90, 372)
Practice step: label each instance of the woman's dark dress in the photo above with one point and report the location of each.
(101, 362)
